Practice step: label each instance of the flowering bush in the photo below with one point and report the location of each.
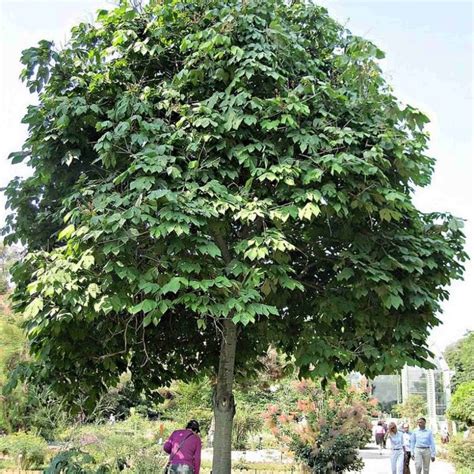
(326, 427)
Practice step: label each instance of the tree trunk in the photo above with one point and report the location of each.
(224, 406)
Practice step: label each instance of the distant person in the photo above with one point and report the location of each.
(422, 447)
(379, 435)
(445, 435)
(396, 443)
(407, 445)
(184, 448)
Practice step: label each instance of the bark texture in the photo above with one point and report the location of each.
(224, 405)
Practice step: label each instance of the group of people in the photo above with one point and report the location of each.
(405, 446)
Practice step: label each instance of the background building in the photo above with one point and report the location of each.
(431, 384)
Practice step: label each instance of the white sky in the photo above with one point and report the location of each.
(429, 61)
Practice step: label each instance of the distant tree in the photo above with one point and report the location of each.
(461, 408)
(411, 409)
(460, 358)
(212, 177)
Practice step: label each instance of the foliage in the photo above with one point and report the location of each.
(131, 443)
(461, 453)
(121, 399)
(74, 461)
(207, 165)
(27, 450)
(28, 407)
(460, 358)
(35, 408)
(185, 401)
(12, 346)
(461, 408)
(411, 409)
(326, 427)
(246, 422)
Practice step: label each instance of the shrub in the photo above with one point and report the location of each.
(27, 450)
(76, 462)
(150, 460)
(462, 404)
(461, 453)
(326, 427)
(245, 423)
(411, 409)
(129, 444)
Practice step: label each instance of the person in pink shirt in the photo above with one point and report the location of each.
(184, 448)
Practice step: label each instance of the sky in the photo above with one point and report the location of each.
(429, 62)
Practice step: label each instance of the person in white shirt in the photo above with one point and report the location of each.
(396, 442)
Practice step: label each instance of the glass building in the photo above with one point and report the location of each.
(431, 384)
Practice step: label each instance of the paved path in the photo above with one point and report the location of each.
(375, 463)
(380, 464)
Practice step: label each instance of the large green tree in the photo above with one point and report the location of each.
(213, 176)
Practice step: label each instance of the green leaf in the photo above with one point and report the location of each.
(34, 308)
(18, 156)
(66, 232)
(172, 286)
(309, 211)
(345, 274)
(144, 306)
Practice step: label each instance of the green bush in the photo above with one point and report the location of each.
(411, 409)
(150, 460)
(461, 453)
(461, 408)
(129, 445)
(25, 449)
(74, 461)
(246, 422)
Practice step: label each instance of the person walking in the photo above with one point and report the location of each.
(379, 433)
(422, 447)
(184, 448)
(406, 444)
(445, 435)
(396, 443)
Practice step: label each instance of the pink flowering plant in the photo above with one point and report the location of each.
(326, 427)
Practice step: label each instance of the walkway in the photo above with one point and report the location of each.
(380, 464)
(375, 463)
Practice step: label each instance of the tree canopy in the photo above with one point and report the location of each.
(460, 358)
(203, 167)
